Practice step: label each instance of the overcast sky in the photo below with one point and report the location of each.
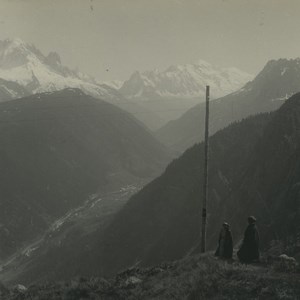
(122, 36)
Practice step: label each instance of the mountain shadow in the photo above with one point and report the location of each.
(57, 149)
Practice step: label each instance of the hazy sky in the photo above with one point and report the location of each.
(127, 35)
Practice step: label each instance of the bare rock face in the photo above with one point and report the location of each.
(53, 58)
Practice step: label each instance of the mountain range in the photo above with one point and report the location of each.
(277, 81)
(168, 94)
(25, 70)
(154, 97)
(184, 82)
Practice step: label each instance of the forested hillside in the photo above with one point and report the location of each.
(254, 170)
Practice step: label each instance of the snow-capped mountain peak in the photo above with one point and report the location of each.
(184, 81)
(24, 64)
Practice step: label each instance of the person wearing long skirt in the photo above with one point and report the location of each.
(249, 251)
(225, 245)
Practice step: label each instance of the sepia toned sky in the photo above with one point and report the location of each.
(110, 39)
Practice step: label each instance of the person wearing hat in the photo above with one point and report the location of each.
(249, 251)
(225, 246)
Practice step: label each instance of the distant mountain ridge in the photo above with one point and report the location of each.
(277, 81)
(154, 97)
(184, 81)
(170, 93)
(31, 72)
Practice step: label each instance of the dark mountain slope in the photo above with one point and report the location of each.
(254, 169)
(275, 83)
(162, 221)
(59, 148)
(270, 185)
(157, 224)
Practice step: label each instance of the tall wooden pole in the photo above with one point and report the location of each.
(205, 177)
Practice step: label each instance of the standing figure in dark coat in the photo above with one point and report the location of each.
(249, 250)
(225, 246)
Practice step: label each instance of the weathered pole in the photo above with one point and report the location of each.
(205, 177)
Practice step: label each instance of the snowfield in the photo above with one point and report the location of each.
(185, 81)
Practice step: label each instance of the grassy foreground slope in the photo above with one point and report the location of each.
(195, 277)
